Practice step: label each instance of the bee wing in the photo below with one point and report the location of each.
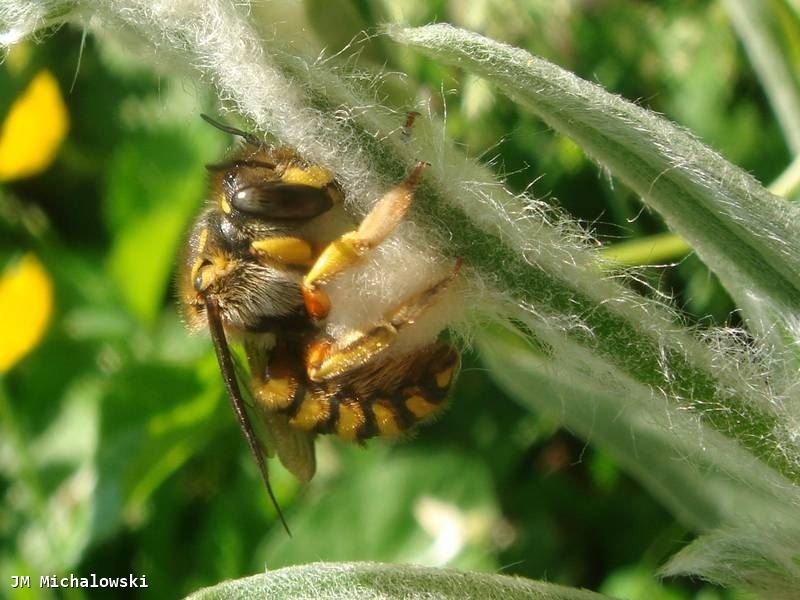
(295, 448)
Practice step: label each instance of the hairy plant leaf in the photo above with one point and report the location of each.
(366, 581)
(707, 481)
(748, 236)
(770, 566)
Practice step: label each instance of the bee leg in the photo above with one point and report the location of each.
(411, 116)
(277, 386)
(290, 251)
(327, 358)
(352, 246)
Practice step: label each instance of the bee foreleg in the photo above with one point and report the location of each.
(352, 246)
(277, 386)
(284, 250)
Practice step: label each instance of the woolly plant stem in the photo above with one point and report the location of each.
(745, 234)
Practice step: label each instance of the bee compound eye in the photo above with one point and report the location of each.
(247, 200)
(277, 200)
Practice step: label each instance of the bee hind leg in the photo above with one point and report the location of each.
(327, 358)
(353, 245)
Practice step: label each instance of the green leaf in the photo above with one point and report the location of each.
(155, 184)
(637, 583)
(746, 235)
(341, 23)
(753, 21)
(365, 581)
(418, 512)
(39, 470)
(708, 486)
(146, 436)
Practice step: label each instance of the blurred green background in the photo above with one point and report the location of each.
(118, 450)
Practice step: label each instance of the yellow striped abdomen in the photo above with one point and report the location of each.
(386, 399)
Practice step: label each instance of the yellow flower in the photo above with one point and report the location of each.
(33, 129)
(26, 301)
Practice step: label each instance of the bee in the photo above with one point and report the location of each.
(255, 269)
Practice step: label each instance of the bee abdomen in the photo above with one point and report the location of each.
(420, 401)
(353, 415)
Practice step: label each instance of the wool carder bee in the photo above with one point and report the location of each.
(256, 269)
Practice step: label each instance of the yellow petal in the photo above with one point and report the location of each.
(33, 129)
(26, 301)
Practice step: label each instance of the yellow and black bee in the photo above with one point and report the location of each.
(255, 268)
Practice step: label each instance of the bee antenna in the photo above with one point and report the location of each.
(235, 396)
(247, 137)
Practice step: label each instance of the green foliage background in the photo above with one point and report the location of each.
(119, 453)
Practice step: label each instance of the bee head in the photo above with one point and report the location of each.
(249, 294)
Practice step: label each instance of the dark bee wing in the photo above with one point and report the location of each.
(275, 200)
(228, 369)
